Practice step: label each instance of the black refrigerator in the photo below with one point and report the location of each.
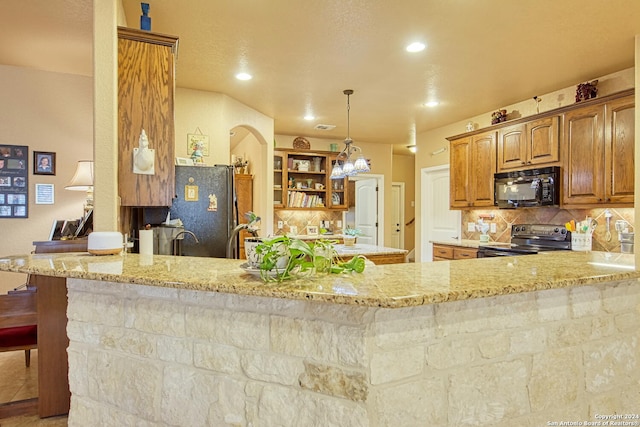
(206, 203)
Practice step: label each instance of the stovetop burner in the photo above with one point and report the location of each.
(529, 239)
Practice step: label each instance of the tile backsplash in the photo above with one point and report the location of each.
(505, 218)
(302, 218)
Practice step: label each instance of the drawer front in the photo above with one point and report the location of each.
(461, 253)
(442, 252)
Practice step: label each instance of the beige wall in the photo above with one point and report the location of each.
(47, 112)
(435, 139)
(105, 104)
(249, 149)
(403, 171)
(215, 114)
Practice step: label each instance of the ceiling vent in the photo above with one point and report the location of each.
(324, 127)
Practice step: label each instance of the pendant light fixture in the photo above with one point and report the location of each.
(344, 165)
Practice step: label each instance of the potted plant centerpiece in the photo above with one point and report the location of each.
(349, 235)
(284, 257)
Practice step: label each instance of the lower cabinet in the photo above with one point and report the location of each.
(244, 198)
(452, 252)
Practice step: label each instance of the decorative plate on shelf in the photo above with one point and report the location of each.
(301, 143)
(335, 199)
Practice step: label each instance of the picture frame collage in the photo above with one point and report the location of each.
(14, 185)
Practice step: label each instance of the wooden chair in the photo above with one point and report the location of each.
(18, 322)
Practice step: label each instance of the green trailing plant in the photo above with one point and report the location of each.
(284, 258)
(348, 231)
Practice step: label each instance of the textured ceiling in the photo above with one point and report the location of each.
(481, 54)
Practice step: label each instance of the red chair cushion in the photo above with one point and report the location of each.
(21, 335)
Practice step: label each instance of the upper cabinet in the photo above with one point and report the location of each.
(301, 180)
(584, 155)
(592, 141)
(473, 163)
(619, 151)
(146, 93)
(528, 144)
(599, 154)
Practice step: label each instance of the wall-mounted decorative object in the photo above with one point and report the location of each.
(538, 101)
(301, 143)
(586, 91)
(14, 186)
(145, 20)
(44, 194)
(44, 163)
(198, 146)
(498, 116)
(144, 157)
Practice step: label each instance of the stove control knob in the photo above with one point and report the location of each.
(563, 231)
(556, 230)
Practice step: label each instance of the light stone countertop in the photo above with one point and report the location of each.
(366, 250)
(390, 286)
(469, 243)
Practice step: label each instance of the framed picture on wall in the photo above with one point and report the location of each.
(44, 163)
(14, 185)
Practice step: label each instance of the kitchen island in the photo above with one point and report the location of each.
(376, 254)
(497, 341)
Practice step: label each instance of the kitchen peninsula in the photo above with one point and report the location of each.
(198, 341)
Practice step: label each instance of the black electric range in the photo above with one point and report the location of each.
(530, 239)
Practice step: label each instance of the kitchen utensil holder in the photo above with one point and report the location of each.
(581, 241)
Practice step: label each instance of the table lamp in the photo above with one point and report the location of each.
(83, 181)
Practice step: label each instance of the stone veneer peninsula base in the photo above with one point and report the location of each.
(159, 356)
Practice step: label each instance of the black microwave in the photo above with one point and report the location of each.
(527, 188)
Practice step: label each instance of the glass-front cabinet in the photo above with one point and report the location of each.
(279, 182)
(301, 180)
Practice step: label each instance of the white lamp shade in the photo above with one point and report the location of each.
(361, 165)
(337, 172)
(83, 178)
(348, 169)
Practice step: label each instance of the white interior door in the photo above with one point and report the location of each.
(366, 211)
(397, 218)
(439, 223)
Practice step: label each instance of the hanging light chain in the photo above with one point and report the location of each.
(348, 168)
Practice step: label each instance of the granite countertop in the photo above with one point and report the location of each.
(367, 250)
(389, 286)
(469, 243)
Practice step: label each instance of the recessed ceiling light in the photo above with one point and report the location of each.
(244, 76)
(309, 117)
(415, 47)
(431, 103)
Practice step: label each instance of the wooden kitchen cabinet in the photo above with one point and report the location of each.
(473, 163)
(244, 196)
(592, 141)
(619, 150)
(299, 185)
(599, 154)
(146, 96)
(451, 252)
(529, 144)
(584, 155)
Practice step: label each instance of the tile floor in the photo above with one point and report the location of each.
(18, 382)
